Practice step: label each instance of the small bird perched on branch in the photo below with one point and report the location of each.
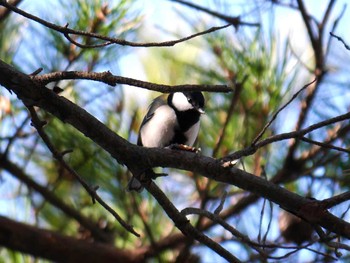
(170, 120)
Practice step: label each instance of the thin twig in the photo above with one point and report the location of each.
(221, 205)
(224, 224)
(137, 207)
(306, 17)
(339, 245)
(235, 98)
(324, 145)
(12, 139)
(316, 39)
(111, 40)
(275, 115)
(341, 40)
(335, 24)
(334, 133)
(283, 136)
(234, 20)
(59, 157)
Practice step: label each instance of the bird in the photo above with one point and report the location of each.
(172, 119)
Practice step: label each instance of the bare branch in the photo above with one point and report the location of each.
(284, 136)
(14, 137)
(237, 91)
(224, 224)
(324, 145)
(59, 248)
(282, 108)
(335, 24)
(341, 40)
(287, 5)
(112, 80)
(325, 18)
(235, 21)
(221, 205)
(336, 200)
(65, 30)
(307, 23)
(338, 245)
(319, 70)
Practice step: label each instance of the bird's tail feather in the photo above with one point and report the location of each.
(135, 185)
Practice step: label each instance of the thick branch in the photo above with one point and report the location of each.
(54, 246)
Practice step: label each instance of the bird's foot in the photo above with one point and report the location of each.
(184, 147)
(229, 164)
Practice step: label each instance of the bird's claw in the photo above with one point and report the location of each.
(184, 147)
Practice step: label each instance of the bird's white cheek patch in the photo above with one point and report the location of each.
(159, 130)
(180, 102)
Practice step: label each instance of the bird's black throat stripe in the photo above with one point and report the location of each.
(187, 119)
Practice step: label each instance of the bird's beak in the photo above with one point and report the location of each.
(201, 111)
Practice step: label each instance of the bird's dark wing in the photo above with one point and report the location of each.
(156, 103)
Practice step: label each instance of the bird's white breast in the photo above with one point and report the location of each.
(159, 130)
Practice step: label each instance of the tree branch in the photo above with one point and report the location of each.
(65, 30)
(336, 200)
(112, 80)
(59, 248)
(224, 224)
(341, 40)
(277, 112)
(325, 145)
(283, 136)
(235, 21)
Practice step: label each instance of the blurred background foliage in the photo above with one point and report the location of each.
(264, 68)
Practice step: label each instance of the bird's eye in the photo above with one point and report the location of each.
(189, 100)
